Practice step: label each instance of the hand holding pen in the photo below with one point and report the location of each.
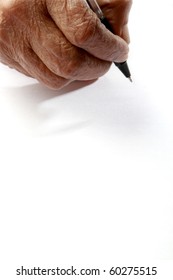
(58, 42)
(123, 66)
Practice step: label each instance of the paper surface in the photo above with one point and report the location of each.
(86, 173)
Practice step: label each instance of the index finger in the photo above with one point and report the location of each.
(82, 28)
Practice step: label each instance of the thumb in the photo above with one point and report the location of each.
(117, 13)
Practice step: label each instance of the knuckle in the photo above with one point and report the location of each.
(12, 36)
(70, 67)
(54, 83)
(66, 60)
(85, 31)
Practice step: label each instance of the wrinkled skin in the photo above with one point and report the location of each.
(59, 41)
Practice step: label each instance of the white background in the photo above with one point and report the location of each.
(86, 173)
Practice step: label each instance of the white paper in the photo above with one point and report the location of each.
(86, 173)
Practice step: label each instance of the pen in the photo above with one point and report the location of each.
(123, 66)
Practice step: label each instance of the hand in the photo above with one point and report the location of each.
(57, 42)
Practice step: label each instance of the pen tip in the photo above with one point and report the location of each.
(130, 79)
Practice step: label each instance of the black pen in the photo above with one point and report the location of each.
(123, 66)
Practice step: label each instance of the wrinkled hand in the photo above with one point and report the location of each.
(59, 41)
